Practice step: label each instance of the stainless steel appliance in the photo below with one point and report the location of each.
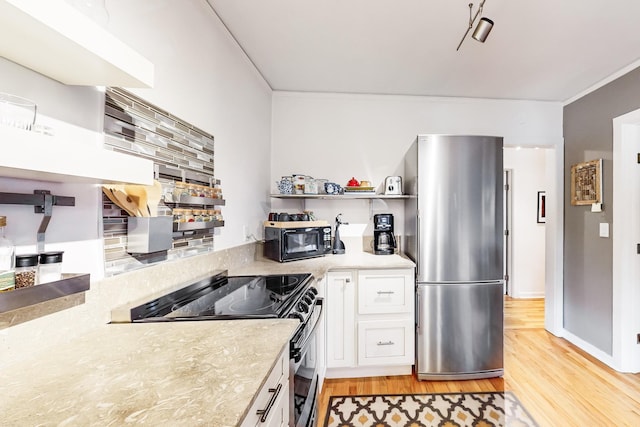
(293, 240)
(384, 241)
(454, 233)
(251, 297)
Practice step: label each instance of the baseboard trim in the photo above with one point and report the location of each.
(594, 351)
(368, 371)
(528, 295)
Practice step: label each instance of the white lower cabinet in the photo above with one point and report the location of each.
(271, 406)
(340, 318)
(370, 322)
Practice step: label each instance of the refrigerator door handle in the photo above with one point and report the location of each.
(418, 240)
(417, 310)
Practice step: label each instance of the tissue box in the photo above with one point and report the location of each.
(149, 234)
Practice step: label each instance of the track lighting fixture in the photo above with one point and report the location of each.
(484, 26)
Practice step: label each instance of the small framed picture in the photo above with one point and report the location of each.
(542, 218)
(586, 183)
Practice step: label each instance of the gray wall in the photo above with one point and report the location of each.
(588, 133)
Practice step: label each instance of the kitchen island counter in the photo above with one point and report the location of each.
(170, 373)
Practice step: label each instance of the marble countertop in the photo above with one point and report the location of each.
(319, 266)
(174, 373)
(169, 373)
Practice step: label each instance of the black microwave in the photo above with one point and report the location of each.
(291, 243)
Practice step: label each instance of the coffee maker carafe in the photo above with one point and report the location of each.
(384, 242)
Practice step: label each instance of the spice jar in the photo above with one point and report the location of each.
(180, 190)
(193, 190)
(208, 192)
(50, 268)
(178, 215)
(188, 215)
(26, 270)
(199, 215)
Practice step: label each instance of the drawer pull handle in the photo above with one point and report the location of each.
(386, 343)
(386, 292)
(264, 413)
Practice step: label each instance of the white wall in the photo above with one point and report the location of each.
(203, 77)
(529, 173)
(337, 136)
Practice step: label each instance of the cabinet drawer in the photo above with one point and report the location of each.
(277, 383)
(385, 291)
(385, 342)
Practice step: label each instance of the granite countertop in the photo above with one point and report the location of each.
(319, 266)
(173, 373)
(170, 373)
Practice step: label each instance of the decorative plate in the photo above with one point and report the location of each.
(358, 189)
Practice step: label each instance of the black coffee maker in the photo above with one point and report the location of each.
(384, 242)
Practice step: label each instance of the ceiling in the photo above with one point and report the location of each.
(538, 50)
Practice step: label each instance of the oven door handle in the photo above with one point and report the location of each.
(296, 353)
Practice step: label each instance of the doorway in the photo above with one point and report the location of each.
(626, 242)
(525, 171)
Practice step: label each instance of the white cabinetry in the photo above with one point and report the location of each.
(340, 319)
(271, 406)
(370, 322)
(58, 41)
(80, 158)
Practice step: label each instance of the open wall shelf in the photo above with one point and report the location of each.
(19, 298)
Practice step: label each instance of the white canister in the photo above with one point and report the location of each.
(50, 267)
(310, 186)
(298, 184)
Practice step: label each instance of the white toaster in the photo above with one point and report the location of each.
(393, 185)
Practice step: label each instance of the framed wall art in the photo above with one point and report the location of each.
(542, 217)
(586, 183)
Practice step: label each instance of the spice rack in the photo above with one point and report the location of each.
(209, 196)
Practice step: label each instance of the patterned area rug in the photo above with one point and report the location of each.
(416, 410)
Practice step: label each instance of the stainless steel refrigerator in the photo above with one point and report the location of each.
(454, 232)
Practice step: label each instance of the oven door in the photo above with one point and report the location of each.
(303, 402)
(300, 243)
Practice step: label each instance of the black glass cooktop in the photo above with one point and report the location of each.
(227, 297)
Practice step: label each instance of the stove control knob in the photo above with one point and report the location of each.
(296, 315)
(313, 291)
(308, 299)
(303, 307)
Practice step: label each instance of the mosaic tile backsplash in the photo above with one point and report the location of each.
(135, 127)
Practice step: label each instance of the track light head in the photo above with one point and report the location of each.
(482, 29)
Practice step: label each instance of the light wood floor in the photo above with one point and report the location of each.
(558, 384)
